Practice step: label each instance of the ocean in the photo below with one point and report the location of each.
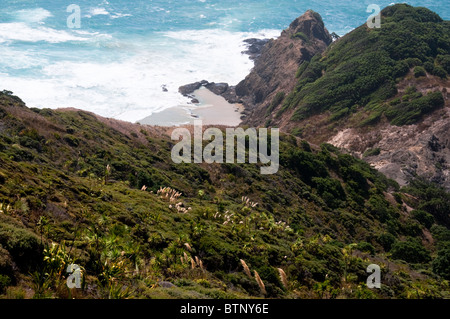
(124, 52)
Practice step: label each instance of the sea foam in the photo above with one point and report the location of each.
(127, 85)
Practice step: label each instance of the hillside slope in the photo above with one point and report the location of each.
(382, 92)
(78, 188)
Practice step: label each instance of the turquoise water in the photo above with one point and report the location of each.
(117, 62)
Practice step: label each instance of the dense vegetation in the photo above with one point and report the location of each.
(74, 189)
(360, 71)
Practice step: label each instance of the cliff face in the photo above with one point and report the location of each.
(275, 69)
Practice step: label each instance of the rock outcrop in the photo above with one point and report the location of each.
(222, 89)
(255, 47)
(188, 89)
(275, 68)
(403, 153)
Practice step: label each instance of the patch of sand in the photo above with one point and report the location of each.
(212, 110)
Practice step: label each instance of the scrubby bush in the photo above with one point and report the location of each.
(372, 152)
(411, 228)
(440, 72)
(330, 190)
(412, 62)
(301, 35)
(22, 244)
(429, 67)
(378, 207)
(366, 247)
(6, 265)
(423, 217)
(409, 112)
(410, 251)
(277, 99)
(419, 71)
(72, 140)
(386, 240)
(440, 233)
(444, 61)
(5, 281)
(441, 265)
(434, 199)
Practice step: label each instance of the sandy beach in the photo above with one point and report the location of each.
(212, 110)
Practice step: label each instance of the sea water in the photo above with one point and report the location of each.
(125, 52)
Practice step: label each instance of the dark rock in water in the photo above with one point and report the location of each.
(221, 89)
(217, 88)
(335, 36)
(190, 88)
(255, 47)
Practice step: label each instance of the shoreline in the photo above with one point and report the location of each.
(212, 109)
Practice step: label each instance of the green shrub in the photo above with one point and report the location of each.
(378, 207)
(444, 61)
(330, 190)
(429, 67)
(5, 281)
(219, 254)
(277, 99)
(412, 62)
(6, 264)
(440, 72)
(410, 112)
(305, 146)
(302, 68)
(398, 198)
(366, 247)
(269, 275)
(339, 114)
(301, 35)
(386, 240)
(411, 228)
(440, 233)
(372, 152)
(419, 71)
(441, 265)
(22, 244)
(401, 69)
(72, 140)
(434, 199)
(18, 154)
(410, 251)
(297, 131)
(423, 217)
